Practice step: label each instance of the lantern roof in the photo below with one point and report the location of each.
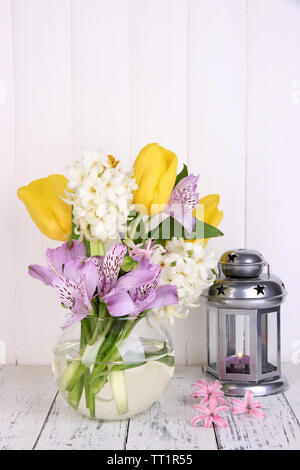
(244, 281)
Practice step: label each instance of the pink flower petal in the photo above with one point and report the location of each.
(204, 401)
(221, 408)
(256, 413)
(238, 410)
(221, 401)
(255, 404)
(208, 422)
(248, 397)
(212, 404)
(202, 408)
(198, 418)
(235, 401)
(220, 422)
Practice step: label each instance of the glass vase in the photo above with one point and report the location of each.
(114, 368)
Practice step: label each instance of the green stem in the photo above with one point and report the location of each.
(95, 334)
(68, 374)
(97, 248)
(119, 390)
(134, 226)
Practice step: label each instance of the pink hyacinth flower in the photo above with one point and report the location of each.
(210, 414)
(250, 407)
(137, 250)
(208, 390)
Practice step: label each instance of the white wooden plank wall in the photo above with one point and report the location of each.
(218, 82)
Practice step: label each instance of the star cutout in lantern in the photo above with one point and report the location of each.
(259, 289)
(231, 257)
(221, 289)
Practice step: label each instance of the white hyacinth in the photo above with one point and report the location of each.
(101, 196)
(188, 266)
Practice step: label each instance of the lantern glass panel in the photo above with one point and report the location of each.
(212, 337)
(237, 344)
(269, 342)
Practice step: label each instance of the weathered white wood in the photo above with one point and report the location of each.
(167, 424)
(29, 417)
(159, 75)
(196, 348)
(159, 90)
(101, 76)
(41, 34)
(280, 428)
(216, 97)
(66, 429)
(135, 71)
(273, 146)
(7, 320)
(292, 372)
(26, 395)
(217, 93)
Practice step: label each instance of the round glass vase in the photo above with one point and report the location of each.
(114, 368)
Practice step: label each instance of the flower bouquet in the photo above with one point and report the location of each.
(133, 253)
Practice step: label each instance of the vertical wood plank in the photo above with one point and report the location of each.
(167, 424)
(217, 83)
(41, 37)
(101, 76)
(217, 98)
(66, 429)
(273, 116)
(158, 90)
(159, 80)
(7, 319)
(26, 395)
(292, 394)
(279, 430)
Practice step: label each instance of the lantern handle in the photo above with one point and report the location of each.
(268, 269)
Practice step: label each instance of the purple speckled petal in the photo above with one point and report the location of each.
(185, 192)
(145, 273)
(112, 263)
(182, 202)
(41, 273)
(58, 257)
(182, 214)
(119, 303)
(165, 295)
(73, 294)
(86, 269)
(73, 318)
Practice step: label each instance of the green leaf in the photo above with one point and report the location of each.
(204, 230)
(129, 264)
(170, 228)
(182, 174)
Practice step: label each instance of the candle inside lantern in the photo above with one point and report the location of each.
(238, 364)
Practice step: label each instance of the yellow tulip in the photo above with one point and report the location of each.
(42, 199)
(155, 171)
(208, 212)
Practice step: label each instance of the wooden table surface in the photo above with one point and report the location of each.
(34, 416)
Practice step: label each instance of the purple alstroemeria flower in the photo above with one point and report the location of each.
(147, 295)
(183, 200)
(114, 290)
(76, 278)
(73, 277)
(56, 259)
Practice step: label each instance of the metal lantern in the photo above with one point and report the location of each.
(243, 323)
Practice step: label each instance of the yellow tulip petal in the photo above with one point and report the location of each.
(208, 205)
(208, 212)
(155, 170)
(42, 199)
